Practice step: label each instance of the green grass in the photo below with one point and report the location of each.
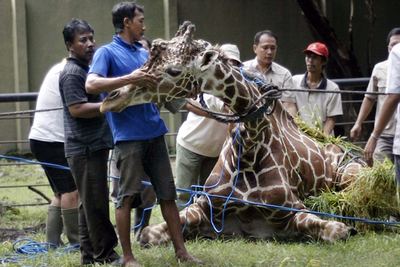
(368, 248)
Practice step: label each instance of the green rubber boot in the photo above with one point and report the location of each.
(54, 225)
(70, 219)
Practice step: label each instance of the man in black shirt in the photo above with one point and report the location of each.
(88, 140)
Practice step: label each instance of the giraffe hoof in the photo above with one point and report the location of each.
(353, 231)
(145, 238)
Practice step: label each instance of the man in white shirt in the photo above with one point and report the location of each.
(46, 139)
(265, 47)
(200, 139)
(378, 84)
(389, 107)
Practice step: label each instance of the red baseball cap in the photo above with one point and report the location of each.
(317, 48)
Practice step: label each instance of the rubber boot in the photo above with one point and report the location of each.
(54, 225)
(70, 219)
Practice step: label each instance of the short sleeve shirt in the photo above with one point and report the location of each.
(81, 135)
(202, 135)
(49, 126)
(393, 87)
(278, 75)
(316, 107)
(376, 84)
(139, 122)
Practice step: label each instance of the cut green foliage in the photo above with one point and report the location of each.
(373, 195)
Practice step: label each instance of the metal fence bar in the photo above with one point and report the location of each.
(20, 97)
(352, 82)
(23, 185)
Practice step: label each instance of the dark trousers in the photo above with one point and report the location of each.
(97, 236)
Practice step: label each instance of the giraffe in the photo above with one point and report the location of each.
(267, 160)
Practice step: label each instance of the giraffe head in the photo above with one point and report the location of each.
(170, 62)
(180, 66)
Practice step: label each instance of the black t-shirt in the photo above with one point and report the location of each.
(81, 135)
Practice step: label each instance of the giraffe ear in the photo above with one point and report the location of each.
(207, 58)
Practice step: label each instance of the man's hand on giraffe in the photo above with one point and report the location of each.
(141, 78)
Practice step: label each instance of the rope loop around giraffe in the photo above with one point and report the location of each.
(270, 95)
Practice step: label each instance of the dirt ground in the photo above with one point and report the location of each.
(15, 234)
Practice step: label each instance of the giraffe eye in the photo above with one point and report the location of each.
(173, 72)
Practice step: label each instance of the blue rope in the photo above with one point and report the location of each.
(36, 162)
(233, 189)
(192, 192)
(31, 249)
(254, 79)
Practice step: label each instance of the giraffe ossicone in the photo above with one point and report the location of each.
(274, 163)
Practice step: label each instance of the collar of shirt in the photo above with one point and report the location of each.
(321, 86)
(135, 46)
(254, 64)
(78, 62)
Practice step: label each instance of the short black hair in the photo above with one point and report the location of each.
(394, 31)
(73, 27)
(261, 33)
(121, 11)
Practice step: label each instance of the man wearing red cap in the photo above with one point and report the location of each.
(316, 108)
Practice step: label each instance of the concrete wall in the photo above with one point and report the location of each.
(14, 71)
(46, 19)
(37, 43)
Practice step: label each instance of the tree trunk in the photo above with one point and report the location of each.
(342, 62)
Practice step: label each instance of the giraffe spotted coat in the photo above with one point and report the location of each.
(273, 163)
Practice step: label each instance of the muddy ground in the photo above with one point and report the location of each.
(14, 234)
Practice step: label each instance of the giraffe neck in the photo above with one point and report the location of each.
(239, 95)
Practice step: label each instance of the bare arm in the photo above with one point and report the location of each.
(291, 107)
(195, 110)
(200, 112)
(365, 109)
(85, 110)
(96, 84)
(329, 125)
(388, 109)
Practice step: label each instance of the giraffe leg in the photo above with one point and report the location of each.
(159, 234)
(311, 226)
